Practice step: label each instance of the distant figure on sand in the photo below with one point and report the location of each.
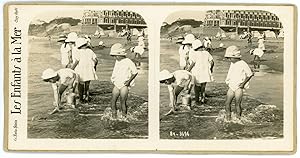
(65, 51)
(64, 81)
(258, 53)
(180, 80)
(123, 76)
(238, 77)
(88, 40)
(201, 66)
(128, 36)
(261, 44)
(249, 39)
(207, 44)
(85, 67)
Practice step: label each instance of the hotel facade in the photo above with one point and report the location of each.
(113, 19)
(242, 20)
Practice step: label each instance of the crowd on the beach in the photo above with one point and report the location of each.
(78, 69)
(196, 70)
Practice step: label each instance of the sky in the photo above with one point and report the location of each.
(48, 16)
(197, 15)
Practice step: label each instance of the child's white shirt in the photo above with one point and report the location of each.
(201, 70)
(237, 74)
(182, 79)
(259, 52)
(122, 72)
(67, 77)
(64, 49)
(183, 51)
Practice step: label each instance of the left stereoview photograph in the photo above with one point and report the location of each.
(88, 75)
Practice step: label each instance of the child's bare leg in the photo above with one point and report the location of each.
(177, 90)
(124, 94)
(230, 95)
(81, 90)
(87, 89)
(115, 96)
(197, 92)
(238, 99)
(202, 92)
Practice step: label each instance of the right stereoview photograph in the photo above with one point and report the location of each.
(221, 75)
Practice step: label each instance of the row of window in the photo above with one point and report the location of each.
(121, 14)
(251, 17)
(112, 20)
(248, 23)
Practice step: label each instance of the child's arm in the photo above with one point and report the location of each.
(134, 73)
(127, 83)
(55, 94)
(249, 75)
(191, 66)
(74, 65)
(172, 97)
(246, 80)
(212, 64)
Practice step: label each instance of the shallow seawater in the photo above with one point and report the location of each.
(262, 105)
(87, 120)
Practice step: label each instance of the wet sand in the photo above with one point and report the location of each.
(92, 120)
(206, 121)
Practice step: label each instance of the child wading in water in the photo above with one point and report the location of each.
(201, 66)
(85, 67)
(238, 77)
(65, 51)
(64, 81)
(122, 77)
(180, 80)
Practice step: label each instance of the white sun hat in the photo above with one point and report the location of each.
(188, 39)
(221, 45)
(72, 37)
(80, 42)
(117, 49)
(62, 38)
(141, 38)
(164, 74)
(233, 52)
(179, 41)
(180, 37)
(101, 43)
(48, 73)
(196, 44)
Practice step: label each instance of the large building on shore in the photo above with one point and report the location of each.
(242, 20)
(113, 19)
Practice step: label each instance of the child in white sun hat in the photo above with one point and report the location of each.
(180, 80)
(183, 52)
(201, 66)
(64, 81)
(65, 51)
(258, 53)
(85, 66)
(74, 55)
(123, 76)
(187, 42)
(238, 77)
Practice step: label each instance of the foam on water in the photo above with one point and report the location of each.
(132, 115)
(259, 115)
